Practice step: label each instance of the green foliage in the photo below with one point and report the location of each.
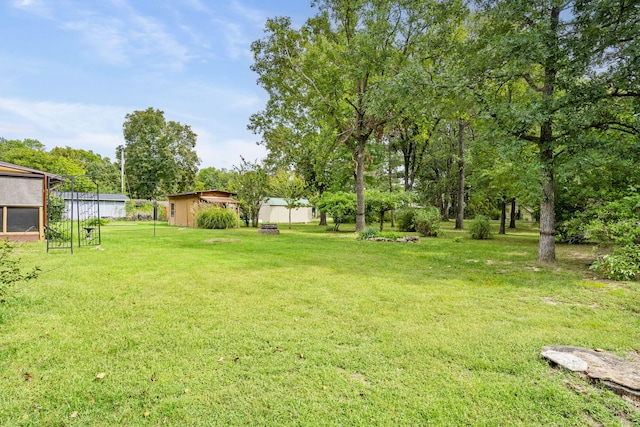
(251, 186)
(10, 270)
(216, 218)
(622, 264)
(368, 233)
(480, 228)
(97, 221)
(392, 235)
(55, 208)
(405, 220)
(160, 156)
(427, 222)
(214, 179)
(290, 187)
(341, 206)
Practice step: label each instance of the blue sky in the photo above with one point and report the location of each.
(72, 69)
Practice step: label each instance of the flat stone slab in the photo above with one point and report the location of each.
(620, 375)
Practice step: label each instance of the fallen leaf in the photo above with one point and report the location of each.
(92, 400)
(278, 348)
(153, 377)
(186, 390)
(74, 414)
(146, 414)
(165, 420)
(221, 360)
(28, 377)
(101, 375)
(301, 356)
(325, 387)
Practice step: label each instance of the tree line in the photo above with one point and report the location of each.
(470, 106)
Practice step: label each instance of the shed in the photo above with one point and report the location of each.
(184, 206)
(23, 201)
(109, 205)
(274, 210)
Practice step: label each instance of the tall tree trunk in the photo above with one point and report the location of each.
(323, 215)
(460, 207)
(547, 245)
(360, 216)
(512, 219)
(289, 218)
(503, 216)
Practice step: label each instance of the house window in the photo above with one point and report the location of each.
(2, 209)
(23, 220)
(173, 210)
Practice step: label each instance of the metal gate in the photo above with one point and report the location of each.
(73, 213)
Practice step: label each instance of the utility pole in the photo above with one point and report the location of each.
(122, 170)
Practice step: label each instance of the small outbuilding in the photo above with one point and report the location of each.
(274, 210)
(184, 206)
(23, 201)
(109, 205)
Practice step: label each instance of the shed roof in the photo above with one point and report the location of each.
(67, 195)
(278, 201)
(201, 193)
(10, 169)
(219, 200)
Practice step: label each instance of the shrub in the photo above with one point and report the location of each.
(215, 218)
(368, 233)
(95, 221)
(390, 235)
(10, 271)
(405, 220)
(622, 264)
(340, 206)
(427, 222)
(480, 228)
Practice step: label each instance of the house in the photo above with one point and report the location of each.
(274, 210)
(184, 206)
(109, 205)
(23, 201)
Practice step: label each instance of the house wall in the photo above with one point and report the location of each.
(22, 207)
(280, 214)
(183, 211)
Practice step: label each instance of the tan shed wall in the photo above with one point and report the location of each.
(280, 214)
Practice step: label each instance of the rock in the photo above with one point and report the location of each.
(566, 360)
(620, 375)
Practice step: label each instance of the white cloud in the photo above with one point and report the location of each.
(37, 7)
(90, 127)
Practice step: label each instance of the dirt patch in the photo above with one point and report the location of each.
(222, 241)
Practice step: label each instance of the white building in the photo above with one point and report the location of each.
(274, 210)
(110, 205)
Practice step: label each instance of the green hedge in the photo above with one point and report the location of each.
(216, 218)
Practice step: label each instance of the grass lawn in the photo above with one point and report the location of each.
(210, 327)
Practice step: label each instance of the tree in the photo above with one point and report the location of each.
(101, 170)
(353, 66)
(213, 179)
(577, 78)
(251, 187)
(341, 206)
(290, 187)
(160, 156)
(383, 202)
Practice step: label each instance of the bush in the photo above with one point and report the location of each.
(10, 271)
(480, 228)
(390, 235)
(93, 222)
(368, 233)
(622, 264)
(216, 218)
(427, 222)
(405, 220)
